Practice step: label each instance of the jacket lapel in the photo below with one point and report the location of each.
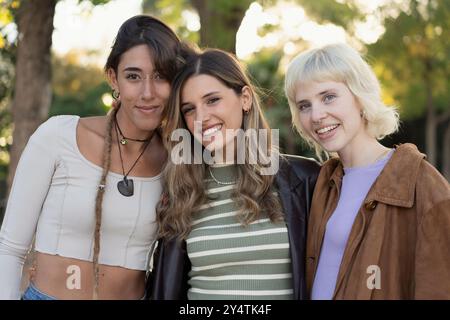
(288, 183)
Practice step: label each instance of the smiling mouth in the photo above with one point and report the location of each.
(326, 129)
(212, 130)
(148, 109)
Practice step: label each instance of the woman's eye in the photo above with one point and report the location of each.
(186, 110)
(158, 76)
(132, 76)
(303, 106)
(212, 100)
(329, 97)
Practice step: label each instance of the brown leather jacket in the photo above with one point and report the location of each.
(295, 182)
(399, 245)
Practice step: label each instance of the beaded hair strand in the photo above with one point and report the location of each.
(99, 198)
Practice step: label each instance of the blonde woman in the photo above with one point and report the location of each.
(380, 223)
(228, 230)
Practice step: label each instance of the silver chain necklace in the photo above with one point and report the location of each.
(220, 182)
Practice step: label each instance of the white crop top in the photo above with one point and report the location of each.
(53, 197)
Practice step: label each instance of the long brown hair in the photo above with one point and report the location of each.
(167, 53)
(183, 186)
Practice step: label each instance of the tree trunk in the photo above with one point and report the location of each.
(204, 14)
(446, 153)
(220, 21)
(32, 90)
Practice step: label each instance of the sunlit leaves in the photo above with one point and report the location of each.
(337, 12)
(176, 13)
(414, 52)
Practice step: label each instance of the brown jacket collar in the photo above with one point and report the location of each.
(396, 183)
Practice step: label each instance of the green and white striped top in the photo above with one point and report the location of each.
(232, 262)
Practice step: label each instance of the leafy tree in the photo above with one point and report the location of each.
(77, 89)
(32, 91)
(7, 55)
(411, 59)
(221, 19)
(173, 12)
(340, 13)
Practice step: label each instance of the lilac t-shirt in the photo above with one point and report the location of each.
(355, 186)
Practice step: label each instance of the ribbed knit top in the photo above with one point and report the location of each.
(231, 261)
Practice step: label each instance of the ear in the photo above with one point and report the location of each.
(112, 79)
(246, 98)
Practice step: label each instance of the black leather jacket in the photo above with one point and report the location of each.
(295, 182)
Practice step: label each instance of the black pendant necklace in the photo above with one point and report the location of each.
(126, 186)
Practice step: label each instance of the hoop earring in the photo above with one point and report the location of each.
(363, 114)
(115, 94)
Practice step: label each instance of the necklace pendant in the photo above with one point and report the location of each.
(223, 183)
(126, 187)
(123, 141)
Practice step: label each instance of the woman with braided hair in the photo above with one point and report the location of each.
(86, 188)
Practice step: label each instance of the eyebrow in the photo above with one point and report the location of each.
(132, 69)
(317, 95)
(204, 96)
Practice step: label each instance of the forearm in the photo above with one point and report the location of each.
(11, 266)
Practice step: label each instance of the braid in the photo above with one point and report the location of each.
(99, 198)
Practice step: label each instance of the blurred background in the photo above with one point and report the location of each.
(52, 53)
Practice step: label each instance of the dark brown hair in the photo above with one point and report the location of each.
(167, 53)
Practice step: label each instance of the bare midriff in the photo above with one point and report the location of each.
(69, 278)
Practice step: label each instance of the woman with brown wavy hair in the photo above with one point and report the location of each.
(229, 227)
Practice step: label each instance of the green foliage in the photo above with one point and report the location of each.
(7, 53)
(77, 89)
(171, 12)
(413, 54)
(263, 69)
(341, 13)
(83, 104)
(6, 74)
(228, 8)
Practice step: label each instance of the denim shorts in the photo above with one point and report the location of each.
(33, 293)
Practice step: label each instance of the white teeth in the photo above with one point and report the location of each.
(326, 129)
(212, 130)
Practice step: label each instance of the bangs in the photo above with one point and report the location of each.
(321, 67)
(163, 56)
(316, 66)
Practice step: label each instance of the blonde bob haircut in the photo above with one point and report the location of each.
(341, 63)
